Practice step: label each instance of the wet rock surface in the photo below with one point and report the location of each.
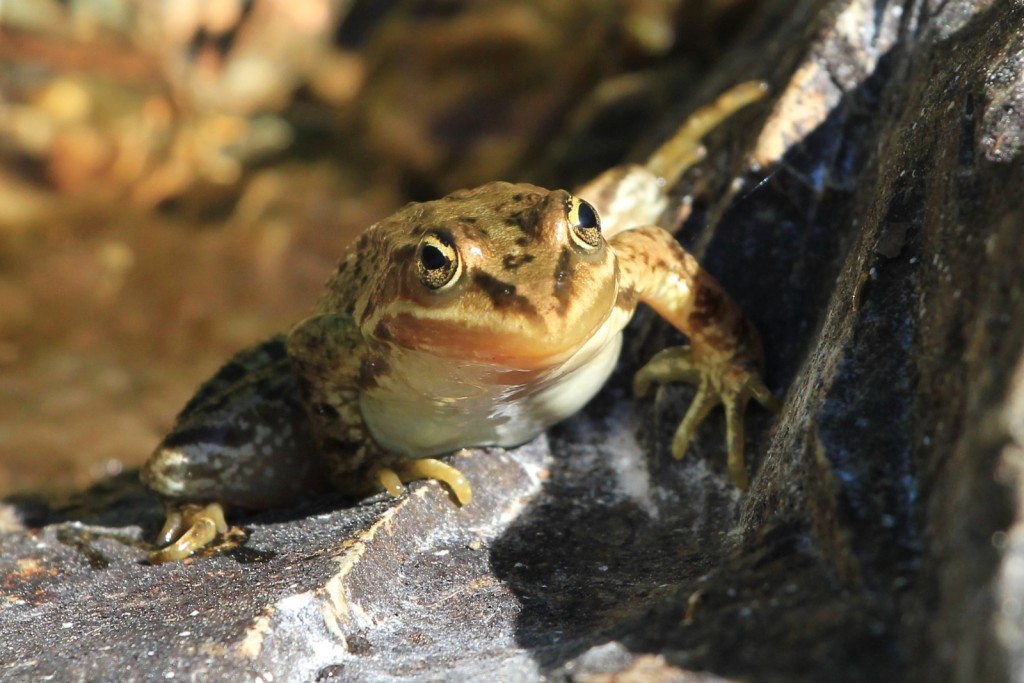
(878, 245)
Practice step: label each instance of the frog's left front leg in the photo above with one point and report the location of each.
(724, 357)
(392, 479)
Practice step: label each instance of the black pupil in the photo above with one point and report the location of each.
(587, 216)
(433, 258)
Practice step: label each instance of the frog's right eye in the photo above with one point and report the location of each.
(437, 261)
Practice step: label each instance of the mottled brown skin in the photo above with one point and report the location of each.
(478, 319)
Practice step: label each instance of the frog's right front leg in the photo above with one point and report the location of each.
(334, 367)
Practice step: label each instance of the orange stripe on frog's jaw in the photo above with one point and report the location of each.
(524, 347)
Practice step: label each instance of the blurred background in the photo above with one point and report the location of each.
(177, 177)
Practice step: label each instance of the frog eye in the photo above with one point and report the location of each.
(437, 261)
(584, 223)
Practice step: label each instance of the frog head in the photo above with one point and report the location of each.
(509, 274)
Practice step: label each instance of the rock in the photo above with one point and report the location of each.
(319, 592)
(877, 244)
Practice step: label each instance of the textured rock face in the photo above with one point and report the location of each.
(882, 258)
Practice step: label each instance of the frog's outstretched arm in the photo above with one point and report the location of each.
(724, 357)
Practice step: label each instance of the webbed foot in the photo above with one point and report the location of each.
(188, 529)
(727, 382)
(393, 479)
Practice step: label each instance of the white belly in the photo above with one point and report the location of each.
(434, 409)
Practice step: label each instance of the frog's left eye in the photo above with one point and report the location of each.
(584, 223)
(437, 261)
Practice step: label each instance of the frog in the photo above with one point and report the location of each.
(478, 319)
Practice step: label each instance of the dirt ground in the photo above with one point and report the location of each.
(109, 318)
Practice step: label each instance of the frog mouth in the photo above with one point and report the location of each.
(519, 345)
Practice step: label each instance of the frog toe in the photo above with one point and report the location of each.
(674, 364)
(188, 529)
(735, 407)
(703, 403)
(735, 399)
(389, 480)
(173, 528)
(763, 395)
(425, 468)
(740, 385)
(429, 468)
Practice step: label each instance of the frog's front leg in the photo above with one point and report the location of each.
(391, 479)
(334, 367)
(724, 357)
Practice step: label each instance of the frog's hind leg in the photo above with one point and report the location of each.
(188, 529)
(392, 479)
(683, 149)
(732, 385)
(633, 194)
